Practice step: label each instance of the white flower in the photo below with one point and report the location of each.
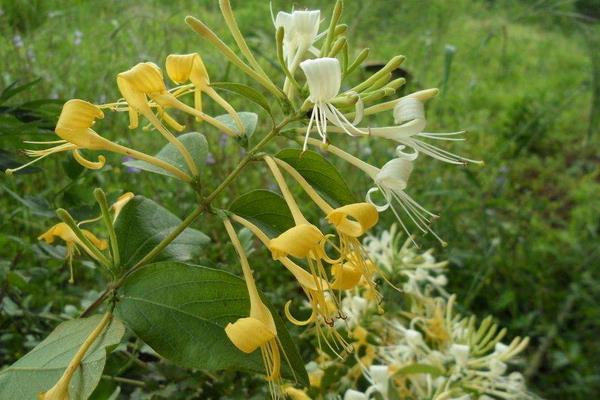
(355, 395)
(391, 181)
(409, 114)
(379, 377)
(306, 28)
(324, 77)
(460, 352)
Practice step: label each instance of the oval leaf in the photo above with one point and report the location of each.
(181, 312)
(194, 142)
(249, 120)
(39, 369)
(264, 208)
(142, 224)
(320, 173)
(246, 91)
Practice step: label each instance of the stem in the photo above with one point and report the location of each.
(112, 235)
(192, 217)
(63, 383)
(208, 34)
(285, 191)
(239, 38)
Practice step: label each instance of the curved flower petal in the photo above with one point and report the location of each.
(248, 334)
(354, 219)
(298, 241)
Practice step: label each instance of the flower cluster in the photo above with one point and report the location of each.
(421, 350)
(144, 92)
(428, 350)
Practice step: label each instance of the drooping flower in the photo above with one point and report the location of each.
(324, 77)
(74, 127)
(391, 181)
(190, 67)
(317, 290)
(409, 114)
(350, 221)
(145, 82)
(65, 233)
(258, 330)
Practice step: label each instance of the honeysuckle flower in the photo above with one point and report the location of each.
(352, 394)
(258, 330)
(350, 221)
(295, 394)
(317, 290)
(144, 82)
(409, 114)
(121, 202)
(379, 377)
(421, 273)
(391, 181)
(324, 77)
(73, 243)
(74, 127)
(182, 68)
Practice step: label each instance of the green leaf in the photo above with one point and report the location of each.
(194, 142)
(320, 173)
(420, 369)
(39, 369)
(264, 208)
(246, 91)
(181, 312)
(142, 224)
(249, 120)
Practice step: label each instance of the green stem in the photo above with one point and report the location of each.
(114, 245)
(202, 207)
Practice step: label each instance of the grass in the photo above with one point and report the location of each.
(518, 76)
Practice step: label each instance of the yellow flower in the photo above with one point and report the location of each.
(299, 241)
(295, 394)
(120, 203)
(258, 330)
(350, 221)
(318, 292)
(346, 275)
(144, 81)
(74, 127)
(354, 219)
(189, 67)
(65, 233)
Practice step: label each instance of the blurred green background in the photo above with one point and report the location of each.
(522, 77)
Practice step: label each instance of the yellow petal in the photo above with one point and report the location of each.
(187, 67)
(295, 394)
(346, 276)
(99, 243)
(298, 241)
(121, 202)
(75, 122)
(60, 230)
(248, 334)
(145, 78)
(354, 219)
(78, 114)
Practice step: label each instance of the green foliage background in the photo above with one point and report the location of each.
(523, 78)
